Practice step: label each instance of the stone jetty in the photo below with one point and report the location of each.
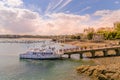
(101, 72)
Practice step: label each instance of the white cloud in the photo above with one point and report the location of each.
(27, 22)
(86, 8)
(12, 3)
(1, 4)
(65, 3)
(108, 17)
(18, 20)
(4, 31)
(60, 23)
(117, 2)
(58, 3)
(102, 12)
(23, 21)
(55, 3)
(73, 17)
(62, 5)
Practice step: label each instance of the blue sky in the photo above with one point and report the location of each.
(79, 7)
(54, 17)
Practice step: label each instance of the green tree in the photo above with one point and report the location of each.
(90, 35)
(78, 37)
(73, 36)
(118, 35)
(114, 33)
(108, 35)
(117, 28)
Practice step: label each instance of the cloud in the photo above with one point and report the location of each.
(23, 21)
(56, 5)
(62, 5)
(107, 18)
(61, 23)
(63, 16)
(18, 20)
(3, 31)
(117, 2)
(12, 3)
(102, 12)
(65, 3)
(52, 5)
(86, 8)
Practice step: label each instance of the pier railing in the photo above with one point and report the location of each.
(92, 50)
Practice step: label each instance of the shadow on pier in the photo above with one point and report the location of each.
(103, 56)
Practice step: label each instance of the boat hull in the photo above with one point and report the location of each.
(43, 58)
(53, 57)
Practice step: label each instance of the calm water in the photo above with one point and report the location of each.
(12, 68)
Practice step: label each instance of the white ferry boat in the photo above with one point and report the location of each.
(41, 54)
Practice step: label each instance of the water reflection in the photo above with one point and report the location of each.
(38, 64)
(13, 68)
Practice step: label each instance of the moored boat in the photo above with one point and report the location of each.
(41, 54)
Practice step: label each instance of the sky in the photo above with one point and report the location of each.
(56, 17)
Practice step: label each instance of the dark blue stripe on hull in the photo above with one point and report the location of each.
(42, 58)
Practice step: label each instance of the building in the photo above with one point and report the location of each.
(88, 30)
(98, 37)
(116, 24)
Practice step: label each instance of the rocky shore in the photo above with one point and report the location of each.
(105, 68)
(101, 72)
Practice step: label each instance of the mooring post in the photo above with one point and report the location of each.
(105, 52)
(81, 55)
(117, 52)
(69, 55)
(93, 53)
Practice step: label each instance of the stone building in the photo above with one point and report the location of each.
(116, 24)
(98, 37)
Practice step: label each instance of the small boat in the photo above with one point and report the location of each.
(44, 54)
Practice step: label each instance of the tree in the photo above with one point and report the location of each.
(109, 35)
(118, 35)
(73, 37)
(78, 37)
(114, 33)
(90, 35)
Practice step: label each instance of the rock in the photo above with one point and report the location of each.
(79, 69)
(97, 72)
(102, 77)
(110, 72)
(85, 69)
(82, 69)
(109, 75)
(115, 76)
(91, 72)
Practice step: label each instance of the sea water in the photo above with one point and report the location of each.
(13, 68)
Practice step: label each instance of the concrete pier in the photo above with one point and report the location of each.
(93, 51)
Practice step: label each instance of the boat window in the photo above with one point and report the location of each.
(43, 53)
(50, 53)
(34, 53)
